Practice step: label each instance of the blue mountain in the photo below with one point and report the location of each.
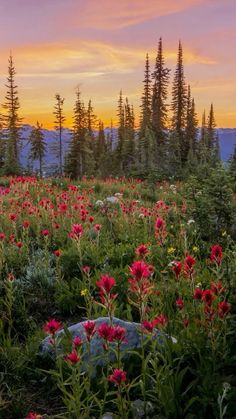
(227, 139)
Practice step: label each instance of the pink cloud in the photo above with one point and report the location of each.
(107, 14)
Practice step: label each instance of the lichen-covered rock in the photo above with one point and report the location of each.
(132, 341)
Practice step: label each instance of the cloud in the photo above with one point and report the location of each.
(111, 14)
(88, 59)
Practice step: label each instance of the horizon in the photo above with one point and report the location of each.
(96, 47)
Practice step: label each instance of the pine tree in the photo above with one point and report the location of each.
(38, 146)
(146, 138)
(2, 144)
(59, 126)
(90, 157)
(179, 103)
(12, 123)
(203, 145)
(119, 164)
(100, 147)
(160, 77)
(75, 159)
(129, 138)
(232, 165)
(191, 132)
(212, 139)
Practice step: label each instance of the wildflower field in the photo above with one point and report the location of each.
(160, 255)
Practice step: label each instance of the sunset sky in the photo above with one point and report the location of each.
(100, 46)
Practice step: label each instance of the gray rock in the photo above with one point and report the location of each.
(96, 356)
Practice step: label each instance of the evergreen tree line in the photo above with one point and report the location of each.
(167, 143)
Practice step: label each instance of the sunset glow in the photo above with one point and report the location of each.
(100, 46)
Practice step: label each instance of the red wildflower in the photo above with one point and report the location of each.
(198, 293)
(12, 217)
(189, 262)
(91, 219)
(56, 226)
(97, 227)
(77, 229)
(142, 250)
(161, 320)
(19, 245)
(185, 322)
(90, 329)
(208, 297)
(86, 269)
(216, 254)
(57, 253)
(52, 326)
(148, 326)
(179, 303)
(32, 415)
(117, 377)
(106, 332)
(2, 236)
(45, 232)
(11, 277)
(223, 308)
(25, 224)
(160, 223)
(77, 341)
(160, 230)
(176, 268)
(140, 269)
(73, 357)
(106, 283)
(119, 334)
(217, 287)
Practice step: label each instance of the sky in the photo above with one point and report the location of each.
(100, 47)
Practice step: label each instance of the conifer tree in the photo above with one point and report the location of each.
(90, 157)
(232, 165)
(129, 138)
(212, 139)
(178, 106)
(191, 132)
(203, 146)
(59, 126)
(100, 148)
(75, 159)
(160, 77)
(38, 146)
(120, 135)
(146, 139)
(2, 144)
(192, 136)
(12, 123)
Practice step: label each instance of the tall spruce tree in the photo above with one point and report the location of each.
(212, 138)
(203, 145)
(119, 151)
(37, 146)
(2, 144)
(160, 75)
(146, 140)
(178, 106)
(12, 123)
(75, 159)
(191, 132)
(129, 138)
(100, 149)
(90, 157)
(59, 126)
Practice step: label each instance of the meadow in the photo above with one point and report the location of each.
(158, 254)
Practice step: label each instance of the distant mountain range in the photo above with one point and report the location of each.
(227, 137)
